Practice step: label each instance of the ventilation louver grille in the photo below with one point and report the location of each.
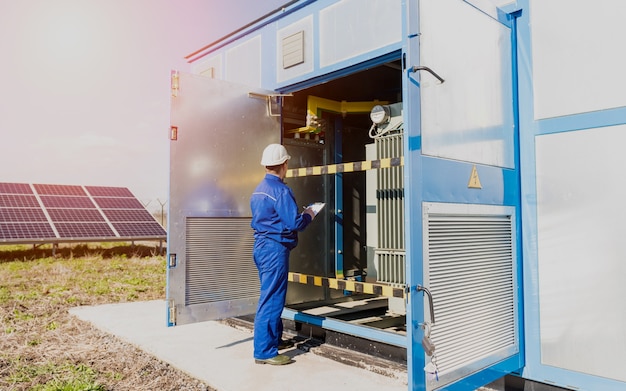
(470, 267)
(219, 260)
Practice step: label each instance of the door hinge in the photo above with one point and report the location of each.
(173, 133)
(172, 312)
(174, 83)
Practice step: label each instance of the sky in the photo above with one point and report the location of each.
(84, 91)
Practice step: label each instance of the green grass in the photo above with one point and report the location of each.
(61, 377)
(37, 334)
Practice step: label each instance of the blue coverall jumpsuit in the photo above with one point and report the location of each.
(276, 221)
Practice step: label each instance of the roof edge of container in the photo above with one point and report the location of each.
(258, 23)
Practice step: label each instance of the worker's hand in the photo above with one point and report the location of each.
(310, 212)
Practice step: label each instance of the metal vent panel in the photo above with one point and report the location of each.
(470, 269)
(219, 260)
(293, 50)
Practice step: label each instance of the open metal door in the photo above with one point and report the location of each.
(218, 132)
(465, 256)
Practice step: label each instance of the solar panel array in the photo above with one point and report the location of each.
(33, 213)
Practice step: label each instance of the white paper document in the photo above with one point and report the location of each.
(316, 207)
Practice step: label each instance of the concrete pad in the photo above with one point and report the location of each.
(221, 356)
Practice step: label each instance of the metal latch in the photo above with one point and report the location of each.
(172, 262)
(273, 105)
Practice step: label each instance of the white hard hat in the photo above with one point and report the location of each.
(274, 155)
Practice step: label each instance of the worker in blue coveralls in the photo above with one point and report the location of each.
(276, 222)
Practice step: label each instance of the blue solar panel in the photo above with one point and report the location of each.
(39, 231)
(74, 215)
(18, 201)
(128, 215)
(131, 230)
(60, 190)
(56, 213)
(100, 191)
(118, 203)
(84, 230)
(15, 188)
(51, 201)
(21, 215)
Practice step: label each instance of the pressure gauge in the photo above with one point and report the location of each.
(379, 114)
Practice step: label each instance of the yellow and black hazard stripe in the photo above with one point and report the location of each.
(345, 167)
(348, 285)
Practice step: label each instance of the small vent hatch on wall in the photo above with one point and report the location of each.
(293, 50)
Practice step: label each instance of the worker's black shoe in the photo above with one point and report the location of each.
(280, 359)
(285, 344)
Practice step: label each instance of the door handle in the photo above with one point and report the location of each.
(427, 69)
(420, 288)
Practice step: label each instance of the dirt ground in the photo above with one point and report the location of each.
(44, 348)
(121, 365)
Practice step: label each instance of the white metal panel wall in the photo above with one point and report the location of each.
(581, 268)
(469, 117)
(243, 63)
(578, 59)
(470, 267)
(350, 28)
(209, 67)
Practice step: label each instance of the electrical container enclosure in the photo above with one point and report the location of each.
(468, 155)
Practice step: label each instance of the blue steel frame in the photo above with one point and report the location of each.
(413, 164)
(338, 158)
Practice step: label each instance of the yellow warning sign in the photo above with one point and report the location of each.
(474, 182)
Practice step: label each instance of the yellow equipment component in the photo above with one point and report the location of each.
(316, 104)
(348, 285)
